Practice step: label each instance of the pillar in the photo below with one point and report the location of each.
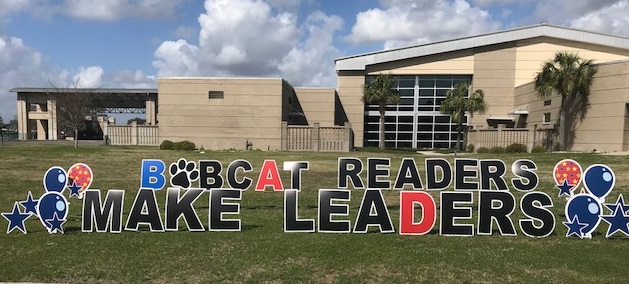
(52, 120)
(22, 117)
(151, 113)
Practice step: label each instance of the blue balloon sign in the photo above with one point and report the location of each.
(599, 180)
(583, 212)
(52, 210)
(55, 179)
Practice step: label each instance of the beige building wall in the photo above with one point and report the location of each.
(532, 53)
(606, 123)
(317, 104)
(251, 109)
(494, 73)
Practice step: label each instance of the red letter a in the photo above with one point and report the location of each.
(269, 176)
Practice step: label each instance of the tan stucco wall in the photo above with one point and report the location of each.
(317, 105)
(532, 53)
(252, 109)
(605, 127)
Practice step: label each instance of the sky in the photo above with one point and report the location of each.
(131, 43)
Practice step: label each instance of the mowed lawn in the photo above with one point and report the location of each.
(262, 252)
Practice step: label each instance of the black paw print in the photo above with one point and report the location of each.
(183, 173)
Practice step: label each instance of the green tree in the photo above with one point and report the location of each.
(381, 90)
(570, 76)
(458, 102)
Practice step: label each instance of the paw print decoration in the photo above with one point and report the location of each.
(183, 173)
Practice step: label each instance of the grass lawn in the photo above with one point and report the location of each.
(262, 252)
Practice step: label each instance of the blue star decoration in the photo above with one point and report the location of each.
(619, 202)
(617, 222)
(74, 190)
(55, 224)
(564, 188)
(574, 227)
(29, 204)
(16, 219)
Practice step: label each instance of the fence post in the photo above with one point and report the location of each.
(500, 138)
(348, 137)
(134, 133)
(315, 137)
(284, 143)
(530, 139)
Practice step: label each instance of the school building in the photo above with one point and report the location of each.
(270, 114)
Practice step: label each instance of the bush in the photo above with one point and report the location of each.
(497, 150)
(538, 149)
(470, 148)
(167, 145)
(516, 148)
(185, 145)
(482, 150)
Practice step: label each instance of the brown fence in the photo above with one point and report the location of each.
(144, 135)
(315, 138)
(503, 137)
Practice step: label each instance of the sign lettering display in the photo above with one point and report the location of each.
(481, 192)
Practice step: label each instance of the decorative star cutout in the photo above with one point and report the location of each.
(74, 190)
(55, 224)
(564, 188)
(617, 222)
(619, 202)
(575, 227)
(16, 219)
(29, 204)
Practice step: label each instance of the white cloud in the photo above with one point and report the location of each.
(132, 79)
(11, 6)
(176, 58)
(560, 12)
(20, 66)
(116, 9)
(405, 22)
(612, 19)
(90, 77)
(311, 63)
(250, 38)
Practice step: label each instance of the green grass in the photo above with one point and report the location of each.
(262, 252)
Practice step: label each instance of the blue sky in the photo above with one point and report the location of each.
(130, 43)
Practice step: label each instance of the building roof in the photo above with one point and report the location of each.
(91, 90)
(359, 62)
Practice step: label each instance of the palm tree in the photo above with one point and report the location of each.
(457, 103)
(381, 90)
(569, 75)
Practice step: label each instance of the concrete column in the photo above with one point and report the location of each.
(348, 137)
(22, 118)
(52, 121)
(315, 137)
(134, 133)
(151, 114)
(530, 141)
(41, 129)
(284, 143)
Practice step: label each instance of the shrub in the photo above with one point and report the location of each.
(516, 148)
(497, 150)
(538, 149)
(482, 150)
(185, 145)
(471, 148)
(167, 145)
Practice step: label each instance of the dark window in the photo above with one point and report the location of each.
(547, 102)
(546, 118)
(218, 95)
